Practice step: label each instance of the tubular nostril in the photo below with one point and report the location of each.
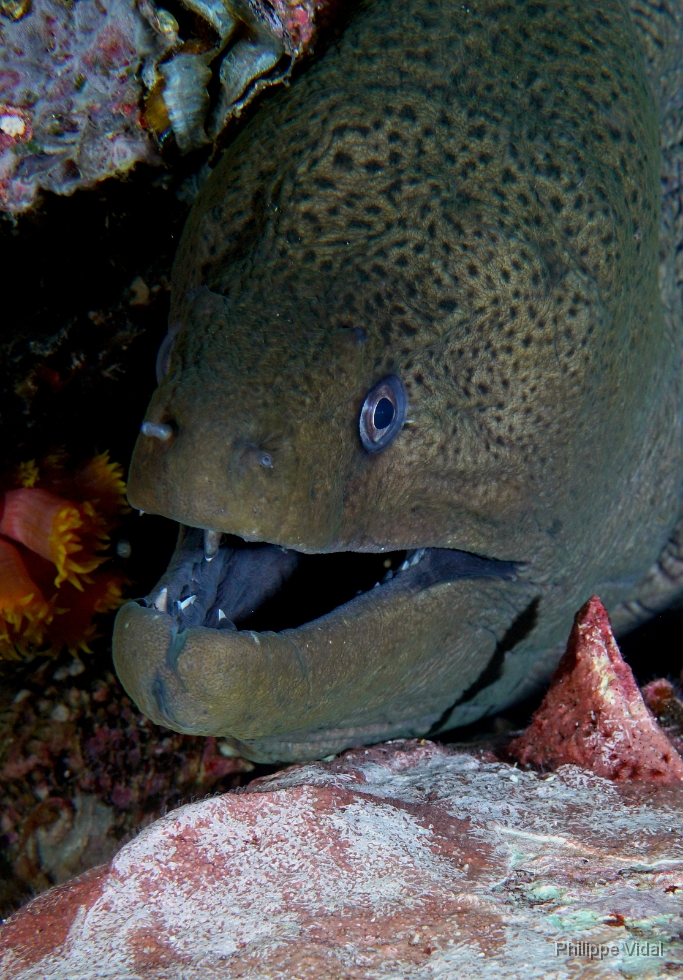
(157, 430)
(249, 455)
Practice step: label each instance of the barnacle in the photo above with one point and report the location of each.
(186, 98)
(53, 530)
(256, 45)
(245, 62)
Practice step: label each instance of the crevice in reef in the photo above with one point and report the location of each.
(515, 633)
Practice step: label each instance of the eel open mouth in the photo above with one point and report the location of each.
(294, 656)
(223, 582)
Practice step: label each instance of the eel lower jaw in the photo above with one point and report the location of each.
(292, 656)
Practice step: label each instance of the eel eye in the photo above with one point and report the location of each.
(383, 414)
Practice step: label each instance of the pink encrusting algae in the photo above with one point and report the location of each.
(404, 860)
(54, 528)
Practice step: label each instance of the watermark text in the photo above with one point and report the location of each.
(582, 949)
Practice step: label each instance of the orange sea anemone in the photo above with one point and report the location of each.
(73, 626)
(24, 612)
(52, 587)
(66, 533)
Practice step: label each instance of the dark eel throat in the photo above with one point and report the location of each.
(223, 582)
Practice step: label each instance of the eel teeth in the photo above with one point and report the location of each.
(224, 623)
(184, 603)
(212, 542)
(161, 601)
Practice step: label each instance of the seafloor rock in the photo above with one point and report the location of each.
(405, 861)
(594, 716)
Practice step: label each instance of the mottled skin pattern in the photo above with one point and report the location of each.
(477, 188)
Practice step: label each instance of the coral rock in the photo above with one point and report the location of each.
(69, 97)
(73, 79)
(81, 770)
(663, 701)
(406, 860)
(594, 716)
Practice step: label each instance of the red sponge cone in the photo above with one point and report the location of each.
(593, 715)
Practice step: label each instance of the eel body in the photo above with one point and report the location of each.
(424, 334)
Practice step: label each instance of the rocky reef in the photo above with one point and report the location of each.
(89, 90)
(81, 771)
(407, 859)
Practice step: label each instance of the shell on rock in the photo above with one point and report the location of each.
(186, 98)
(246, 61)
(252, 40)
(216, 14)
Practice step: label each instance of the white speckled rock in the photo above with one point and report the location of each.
(403, 861)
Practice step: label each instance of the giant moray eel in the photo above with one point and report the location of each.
(425, 321)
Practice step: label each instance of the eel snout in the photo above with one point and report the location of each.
(293, 656)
